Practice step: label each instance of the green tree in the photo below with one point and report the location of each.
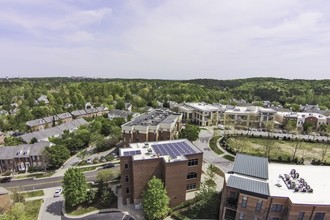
(207, 188)
(16, 212)
(104, 193)
(155, 200)
(74, 187)
(190, 132)
(57, 155)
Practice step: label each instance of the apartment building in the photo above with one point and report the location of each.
(21, 157)
(47, 122)
(201, 114)
(254, 116)
(316, 120)
(257, 190)
(178, 163)
(156, 125)
(213, 114)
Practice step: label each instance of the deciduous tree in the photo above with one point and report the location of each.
(155, 200)
(74, 187)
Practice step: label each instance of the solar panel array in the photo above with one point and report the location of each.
(132, 153)
(173, 149)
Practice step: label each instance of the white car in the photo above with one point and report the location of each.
(58, 192)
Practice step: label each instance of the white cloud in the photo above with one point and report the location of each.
(172, 39)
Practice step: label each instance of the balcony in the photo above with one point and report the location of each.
(232, 202)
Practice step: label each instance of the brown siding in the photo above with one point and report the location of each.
(176, 181)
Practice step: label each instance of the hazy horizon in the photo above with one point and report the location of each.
(173, 39)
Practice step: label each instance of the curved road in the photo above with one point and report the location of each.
(208, 155)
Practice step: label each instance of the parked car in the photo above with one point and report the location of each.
(89, 161)
(109, 165)
(58, 192)
(6, 180)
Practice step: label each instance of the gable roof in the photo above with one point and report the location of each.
(251, 166)
(248, 185)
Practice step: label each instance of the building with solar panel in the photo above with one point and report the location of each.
(178, 163)
(156, 125)
(257, 190)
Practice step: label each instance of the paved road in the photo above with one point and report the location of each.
(32, 184)
(209, 155)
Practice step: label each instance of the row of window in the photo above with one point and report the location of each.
(258, 205)
(277, 208)
(188, 187)
(317, 216)
(192, 162)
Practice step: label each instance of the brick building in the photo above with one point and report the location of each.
(156, 125)
(178, 163)
(257, 190)
(21, 157)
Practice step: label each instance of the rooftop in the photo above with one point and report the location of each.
(251, 166)
(170, 151)
(316, 177)
(203, 107)
(23, 150)
(153, 118)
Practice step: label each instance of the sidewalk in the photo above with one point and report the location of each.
(68, 164)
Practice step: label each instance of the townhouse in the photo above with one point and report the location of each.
(19, 158)
(257, 190)
(178, 163)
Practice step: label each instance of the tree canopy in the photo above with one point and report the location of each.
(190, 132)
(155, 200)
(74, 187)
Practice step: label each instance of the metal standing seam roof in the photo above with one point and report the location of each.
(248, 185)
(251, 166)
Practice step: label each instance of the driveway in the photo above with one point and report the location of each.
(203, 144)
(100, 216)
(52, 209)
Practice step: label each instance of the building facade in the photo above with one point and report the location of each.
(177, 163)
(20, 158)
(257, 190)
(156, 125)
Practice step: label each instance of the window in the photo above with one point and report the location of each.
(319, 216)
(126, 179)
(126, 166)
(191, 186)
(301, 216)
(277, 208)
(192, 162)
(192, 175)
(244, 202)
(241, 216)
(258, 205)
(127, 190)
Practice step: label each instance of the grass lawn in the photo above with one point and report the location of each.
(84, 169)
(193, 209)
(33, 193)
(229, 157)
(213, 145)
(280, 148)
(86, 208)
(32, 208)
(35, 175)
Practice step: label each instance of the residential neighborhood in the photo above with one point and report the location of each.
(237, 161)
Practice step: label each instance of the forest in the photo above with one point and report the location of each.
(68, 94)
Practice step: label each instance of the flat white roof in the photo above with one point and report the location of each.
(317, 177)
(160, 149)
(203, 106)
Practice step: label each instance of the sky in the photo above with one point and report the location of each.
(165, 39)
